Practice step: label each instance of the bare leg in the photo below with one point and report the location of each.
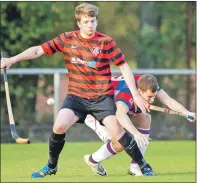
(65, 119)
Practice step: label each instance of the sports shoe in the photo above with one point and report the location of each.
(97, 168)
(147, 170)
(135, 170)
(44, 171)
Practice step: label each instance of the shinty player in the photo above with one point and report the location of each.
(87, 55)
(149, 89)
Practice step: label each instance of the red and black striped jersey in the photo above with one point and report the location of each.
(88, 62)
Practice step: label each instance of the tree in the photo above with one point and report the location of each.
(26, 24)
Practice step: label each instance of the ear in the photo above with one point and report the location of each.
(139, 91)
(78, 24)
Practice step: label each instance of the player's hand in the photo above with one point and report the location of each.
(141, 139)
(6, 63)
(192, 114)
(141, 103)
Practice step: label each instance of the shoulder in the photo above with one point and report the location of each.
(104, 37)
(70, 34)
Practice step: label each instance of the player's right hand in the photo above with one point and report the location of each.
(141, 139)
(6, 63)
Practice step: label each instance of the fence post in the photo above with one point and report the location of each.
(56, 94)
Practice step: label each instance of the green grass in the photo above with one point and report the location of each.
(173, 161)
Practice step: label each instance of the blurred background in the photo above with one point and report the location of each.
(152, 35)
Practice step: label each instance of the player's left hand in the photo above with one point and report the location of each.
(141, 103)
(192, 114)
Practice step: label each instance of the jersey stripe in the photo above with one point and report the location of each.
(88, 90)
(91, 82)
(90, 74)
(88, 77)
(87, 61)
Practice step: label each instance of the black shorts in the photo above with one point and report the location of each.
(99, 108)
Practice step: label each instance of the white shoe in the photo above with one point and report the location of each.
(135, 170)
(97, 168)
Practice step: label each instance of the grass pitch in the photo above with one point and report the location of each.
(173, 161)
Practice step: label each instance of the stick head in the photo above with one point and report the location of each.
(22, 141)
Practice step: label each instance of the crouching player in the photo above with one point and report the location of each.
(126, 110)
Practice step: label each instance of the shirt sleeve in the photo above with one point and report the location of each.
(54, 45)
(115, 54)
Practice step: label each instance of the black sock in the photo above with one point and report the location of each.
(56, 144)
(131, 148)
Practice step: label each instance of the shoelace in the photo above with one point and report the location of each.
(148, 171)
(100, 168)
(45, 170)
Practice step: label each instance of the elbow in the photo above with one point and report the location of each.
(169, 102)
(40, 51)
(123, 67)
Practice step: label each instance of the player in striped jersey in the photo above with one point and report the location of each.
(87, 55)
(149, 89)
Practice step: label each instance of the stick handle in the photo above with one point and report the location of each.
(10, 113)
(9, 106)
(4, 69)
(169, 111)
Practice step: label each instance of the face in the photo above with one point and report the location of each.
(87, 26)
(148, 95)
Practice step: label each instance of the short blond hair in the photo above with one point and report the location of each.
(86, 9)
(148, 82)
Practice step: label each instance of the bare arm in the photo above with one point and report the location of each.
(129, 79)
(124, 120)
(29, 54)
(174, 105)
(170, 102)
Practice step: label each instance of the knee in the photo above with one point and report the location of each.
(65, 119)
(59, 128)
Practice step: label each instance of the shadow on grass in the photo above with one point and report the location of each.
(176, 173)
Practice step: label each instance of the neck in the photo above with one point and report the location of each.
(85, 36)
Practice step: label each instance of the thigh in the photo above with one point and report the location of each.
(65, 119)
(77, 105)
(103, 108)
(114, 128)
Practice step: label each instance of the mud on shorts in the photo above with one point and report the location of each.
(99, 108)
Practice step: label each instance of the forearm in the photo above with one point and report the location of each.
(29, 54)
(176, 106)
(126, 123)
(129, 78)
